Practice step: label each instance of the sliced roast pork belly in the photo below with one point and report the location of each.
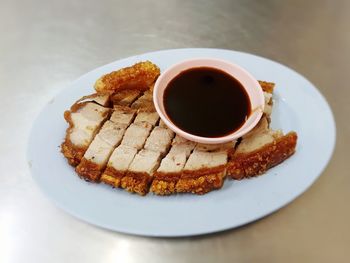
(267, 88)
(259, 150)
(159, 140)
(145, 102)
(99, 151)
(169, 172)
(136, 135)
(262, 148)
(139, 175)
(110, 136)
(205, 169)
(118, 164)
(102, 99)
(151, 117)
(162, 124)
(123, 115)
(138, 131)
(136, 151)
(125, 97)
(84, 119)
(133, 141)
(140, 172)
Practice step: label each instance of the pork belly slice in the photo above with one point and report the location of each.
(99, 151)
(147, 95)
(136, 135)
(118, 164)
(267, 88)
(102, 99)
(151, 117)
(139, 76)
(84, 119)
(159, 140)
(122, 114)
(268, 104)
(169, 172)
(259, 150)
(162, 124)
(204, 171)
(139, 175)
(145, 102)
(125, 97)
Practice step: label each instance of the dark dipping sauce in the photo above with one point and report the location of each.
(206, 102)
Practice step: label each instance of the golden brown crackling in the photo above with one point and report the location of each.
(112, 177)
(88, 170)
(108, 179)
(165, 183)
(235, 168)
(258, 162)
(202, 171)
(201, 184)
(163, 187)
(74, 154)
(139, 77)
(136, 182)
(201, 181)
(267, 86)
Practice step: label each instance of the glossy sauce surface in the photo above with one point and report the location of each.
(206, 102)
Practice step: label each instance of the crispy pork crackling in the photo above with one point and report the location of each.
(115, 136)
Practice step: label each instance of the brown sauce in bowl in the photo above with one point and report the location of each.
(206, 102)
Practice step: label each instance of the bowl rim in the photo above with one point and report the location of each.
(209, 140)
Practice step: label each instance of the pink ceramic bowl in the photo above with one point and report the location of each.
(250, 84)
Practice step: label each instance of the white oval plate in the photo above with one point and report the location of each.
(298, 106)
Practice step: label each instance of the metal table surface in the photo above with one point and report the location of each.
(44, 45)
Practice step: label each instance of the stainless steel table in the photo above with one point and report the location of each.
(44, 45)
